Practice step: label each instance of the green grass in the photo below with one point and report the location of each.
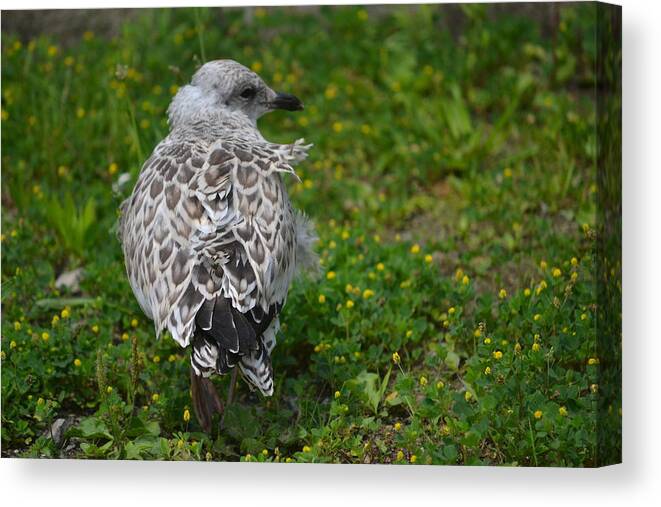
(453, 184)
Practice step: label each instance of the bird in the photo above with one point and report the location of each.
(210, 238)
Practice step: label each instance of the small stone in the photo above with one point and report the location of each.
(70, 280)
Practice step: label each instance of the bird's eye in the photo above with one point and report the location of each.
(248, 93)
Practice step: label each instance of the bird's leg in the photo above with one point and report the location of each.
(206, 402)
(230, 394)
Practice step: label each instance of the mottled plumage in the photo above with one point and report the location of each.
(210, 238)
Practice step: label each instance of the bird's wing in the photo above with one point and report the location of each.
(205, 234)
(256, 262)
(182, 195)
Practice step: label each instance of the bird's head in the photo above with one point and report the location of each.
(227, 86)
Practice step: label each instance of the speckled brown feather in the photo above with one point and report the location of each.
(210, 217)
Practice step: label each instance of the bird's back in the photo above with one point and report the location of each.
(209, 238)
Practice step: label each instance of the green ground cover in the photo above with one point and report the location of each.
(452, 183)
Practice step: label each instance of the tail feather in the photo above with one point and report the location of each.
(225, 338)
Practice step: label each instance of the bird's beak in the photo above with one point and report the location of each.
(287, 102)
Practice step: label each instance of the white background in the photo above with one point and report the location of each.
(636, 482)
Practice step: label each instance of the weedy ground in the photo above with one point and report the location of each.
(452, 182)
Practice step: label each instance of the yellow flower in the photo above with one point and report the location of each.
(368, 293)
(535, 347)
(77, 362)
(423, 381)
(125, 337)
(65, 313)
(134, 323)
(157, 359)
(415, 249)
(451, 310)
(52, 51)
(331, 91)
(306, 448)
(563, 411)
(56, 319)
(574, 261)
(365, 129)
(330, 275)
(507, 172)
(109, 389)
(186, 415)
(395, 358)
(398, 426)
(538, 414)
(536, 317)
(517, 348)
(45, 336)
(172, 358)
(594, 388)
(477, 333)
(265, 452)
(487, 341)
(40, 401)
(349, 303)
(465, 280)
(174, 89)
(487, 370)
(95, 328)
(502, 294)
(556, 272)
(593, 361)
(12, 344)
(526, 292)
(380, 266)
(584, 316)
(337, 394)
(80, 113)
(574, 276)
(322, 299)
(440, 384)
(497, 354)
(400, 455)
(256, 66)
(337, 126)
(543, 265)
(17, 326)
(362, 15)
(112, 168)
(413, 458)
(155, 397)
(428, 259)
(345, 235)
(467, 395)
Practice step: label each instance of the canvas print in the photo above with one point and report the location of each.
(313, 234)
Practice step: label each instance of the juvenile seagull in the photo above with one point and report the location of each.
(210, 239)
